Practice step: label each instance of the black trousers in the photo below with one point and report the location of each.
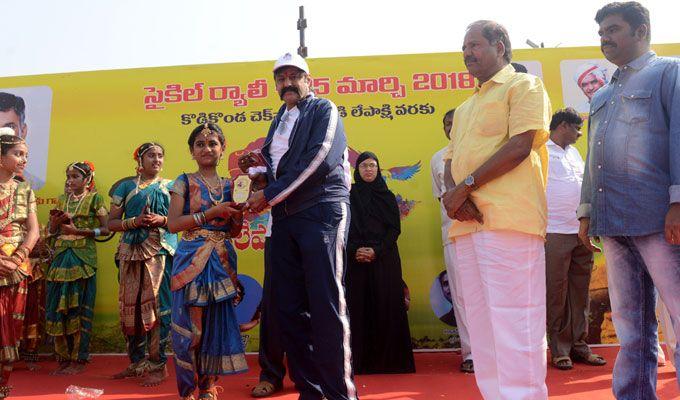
(271, 351)
(308, 263)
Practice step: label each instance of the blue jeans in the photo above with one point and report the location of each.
(635, 266)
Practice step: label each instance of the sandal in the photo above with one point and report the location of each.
(590, 359)
(467, 366)
(264, 389)
(563, 363)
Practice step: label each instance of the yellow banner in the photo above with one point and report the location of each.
(391, 105)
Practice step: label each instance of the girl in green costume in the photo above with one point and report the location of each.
(80, 216)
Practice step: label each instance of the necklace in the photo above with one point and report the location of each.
(7, 211)
(143, 185)
(80, 199)
(220, 188)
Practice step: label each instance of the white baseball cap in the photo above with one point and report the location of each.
(291, 60)
(6, 130)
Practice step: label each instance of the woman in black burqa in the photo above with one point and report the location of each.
(381, 340)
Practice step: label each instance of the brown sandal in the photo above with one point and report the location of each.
(590, 359)
(563, 363)
(264, 389)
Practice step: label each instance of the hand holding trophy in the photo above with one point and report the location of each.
(250, 159)
(253, 164)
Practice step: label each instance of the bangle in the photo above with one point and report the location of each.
(197, 219)
(129, 224)
(22, 251)
(203, 217)
(97, 232)
(165, 221)
(17, 259)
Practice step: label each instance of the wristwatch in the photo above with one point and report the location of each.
(470, 182)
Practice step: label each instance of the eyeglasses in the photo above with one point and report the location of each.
(368, 166)
(576, 127)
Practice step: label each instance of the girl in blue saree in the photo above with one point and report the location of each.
(205, 333)
(139, 209)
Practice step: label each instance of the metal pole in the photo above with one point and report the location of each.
(301, 25)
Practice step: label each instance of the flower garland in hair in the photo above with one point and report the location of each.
(89, 176)
(140, 151)
(138, 158)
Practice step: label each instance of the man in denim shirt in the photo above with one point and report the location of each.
(630, 199)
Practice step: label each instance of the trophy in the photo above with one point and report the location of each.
(243, 184)
(241, 189)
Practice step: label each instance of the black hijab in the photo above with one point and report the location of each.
(372, 198)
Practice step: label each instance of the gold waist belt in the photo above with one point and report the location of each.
(213, 236)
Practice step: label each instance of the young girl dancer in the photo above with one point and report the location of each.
(19, 232)
(144, 259)
(80, 216)
(205, 332)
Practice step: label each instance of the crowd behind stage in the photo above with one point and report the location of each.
(521, 213)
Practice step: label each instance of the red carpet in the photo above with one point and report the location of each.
(437, 378)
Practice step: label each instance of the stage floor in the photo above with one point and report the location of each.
(437, 378)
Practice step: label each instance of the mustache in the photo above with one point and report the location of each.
(470, 59)
(287, 89)
(612, 44)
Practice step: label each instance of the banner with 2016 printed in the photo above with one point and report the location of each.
(391, 105)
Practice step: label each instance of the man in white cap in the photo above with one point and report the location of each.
(307, 186)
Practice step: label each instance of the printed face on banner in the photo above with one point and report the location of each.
(10, 119)
(440, 299)
(35, 103)
(581, 79)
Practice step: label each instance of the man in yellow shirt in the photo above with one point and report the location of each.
(498, 161)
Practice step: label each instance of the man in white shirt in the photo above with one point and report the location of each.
(568, 262)
(438, 190)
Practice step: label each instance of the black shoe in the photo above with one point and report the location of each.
(467, 366)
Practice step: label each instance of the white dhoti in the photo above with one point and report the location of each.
(502, 276)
